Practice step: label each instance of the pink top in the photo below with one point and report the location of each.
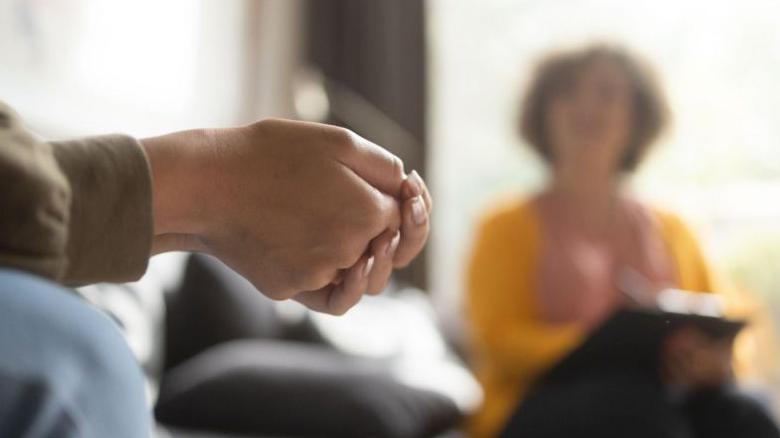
(580, 275)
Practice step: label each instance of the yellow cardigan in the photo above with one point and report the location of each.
(511, 345)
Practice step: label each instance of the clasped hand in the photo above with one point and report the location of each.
(302, 210)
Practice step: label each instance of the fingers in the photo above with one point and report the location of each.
(352, 288)
(393, 247)
(415, 186)
(337, 299)
(388, 215)
(383, 249)
(376, 165)
(316, 300)
(414, 230)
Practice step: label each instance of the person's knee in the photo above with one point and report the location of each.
(48, 327)
(100, 355)
(50, 336)
(615, 406)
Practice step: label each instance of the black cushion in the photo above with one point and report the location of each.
(215, 305)
(269, 387)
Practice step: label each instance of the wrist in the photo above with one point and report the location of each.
(178, 193)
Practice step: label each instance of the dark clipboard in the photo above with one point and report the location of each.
(631, 341)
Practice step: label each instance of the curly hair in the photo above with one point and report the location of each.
(556, 71)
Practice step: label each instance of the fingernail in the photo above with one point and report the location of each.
(367, 267)
(416, 183)
(418, 211)
(393, 245)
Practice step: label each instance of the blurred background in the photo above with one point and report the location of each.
(716, 165)
(438, 83)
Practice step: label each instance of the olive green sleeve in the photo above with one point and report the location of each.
(110, 227)
(77, 211)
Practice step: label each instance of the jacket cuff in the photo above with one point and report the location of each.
(111, 227)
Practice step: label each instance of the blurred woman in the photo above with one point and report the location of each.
(548, 269)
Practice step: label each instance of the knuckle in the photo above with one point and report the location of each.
(343, 139)
(262, 126)
(397, 167)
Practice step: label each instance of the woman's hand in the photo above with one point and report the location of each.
(693, 359)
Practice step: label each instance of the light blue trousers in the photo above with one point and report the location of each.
(65, 369)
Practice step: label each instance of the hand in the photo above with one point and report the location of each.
(693, 359)
(391, 249)
(300, 209)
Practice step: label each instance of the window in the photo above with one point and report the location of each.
(143, 67)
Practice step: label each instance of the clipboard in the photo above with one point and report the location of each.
(630, 341)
